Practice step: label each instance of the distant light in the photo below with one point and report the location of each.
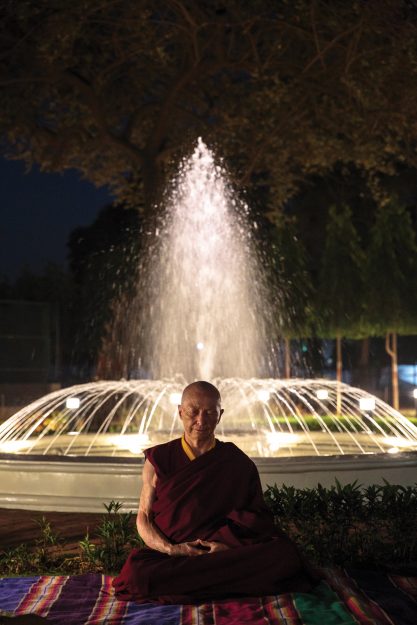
(72, 403)
(200, 345)
(175, 399)
(393, 450)
(367, 403)
(322, 393)
(415, 393)
(263, 395)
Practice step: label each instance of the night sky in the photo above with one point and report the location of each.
(38, 211)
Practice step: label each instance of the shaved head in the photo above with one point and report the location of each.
(200, 387)
(200, 412)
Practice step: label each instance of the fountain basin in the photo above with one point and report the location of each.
(82, 446)
(83, 485)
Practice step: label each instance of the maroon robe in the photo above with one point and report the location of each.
(217, 496)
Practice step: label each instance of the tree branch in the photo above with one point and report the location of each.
(93, 104)
(330, 45)
(315, 35)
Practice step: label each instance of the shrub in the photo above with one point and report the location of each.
(344, 525)
(351, 524)
(116, 537)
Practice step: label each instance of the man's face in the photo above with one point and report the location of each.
(200, 412)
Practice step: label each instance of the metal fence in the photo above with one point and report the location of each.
(25, 341)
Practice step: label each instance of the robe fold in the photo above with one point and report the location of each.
(218, 497)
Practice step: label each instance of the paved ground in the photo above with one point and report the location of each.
(20, 526)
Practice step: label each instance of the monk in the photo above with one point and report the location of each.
(202, 516)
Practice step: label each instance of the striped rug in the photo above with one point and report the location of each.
(351, 597)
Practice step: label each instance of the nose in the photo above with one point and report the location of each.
(202, 416)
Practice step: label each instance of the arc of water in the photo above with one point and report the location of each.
(349, 396)
(142, 400)
(241, 390)
(87, 404)
(154, 407)
(106, 422)
(308, 404)
(400, 425)
(82, 392)
(36, 421)
(300, 418)
(18, 422)
(135, 408)
(266, 412)
(368, 432)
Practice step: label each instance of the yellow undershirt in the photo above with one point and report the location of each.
(189, 452)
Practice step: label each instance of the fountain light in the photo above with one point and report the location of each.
(12, 447)
(367, 403)
(72, 403)
(397, 441)
(73, 433)
(393, 450)
(175, 399)
(322, 393)
(276, 440)
(200, 346)
(263, 395)
(134, 443)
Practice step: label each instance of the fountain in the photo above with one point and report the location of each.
(207, 317)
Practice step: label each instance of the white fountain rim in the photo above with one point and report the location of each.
(405, 458)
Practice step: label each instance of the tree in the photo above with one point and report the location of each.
(340, 288)
(104, 260)
(120, 89)
(391, 278)
(292, 283)
(53, 285)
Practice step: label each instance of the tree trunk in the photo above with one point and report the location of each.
(361, 373)
(391, 349)
(364, 355)
(339, 369)
(287, 358)
(58, 349)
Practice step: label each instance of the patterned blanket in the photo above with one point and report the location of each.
(342, 598)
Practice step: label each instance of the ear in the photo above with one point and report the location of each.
(220, 415)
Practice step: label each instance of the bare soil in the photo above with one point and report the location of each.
(21, 526)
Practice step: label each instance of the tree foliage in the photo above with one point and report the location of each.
(119, 90)
(391, 272)
(104, 263)
(284, 91)
(340, 289)
(292, 279)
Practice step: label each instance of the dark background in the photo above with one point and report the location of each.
(38, 212)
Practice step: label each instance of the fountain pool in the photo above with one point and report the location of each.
(81, 446)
